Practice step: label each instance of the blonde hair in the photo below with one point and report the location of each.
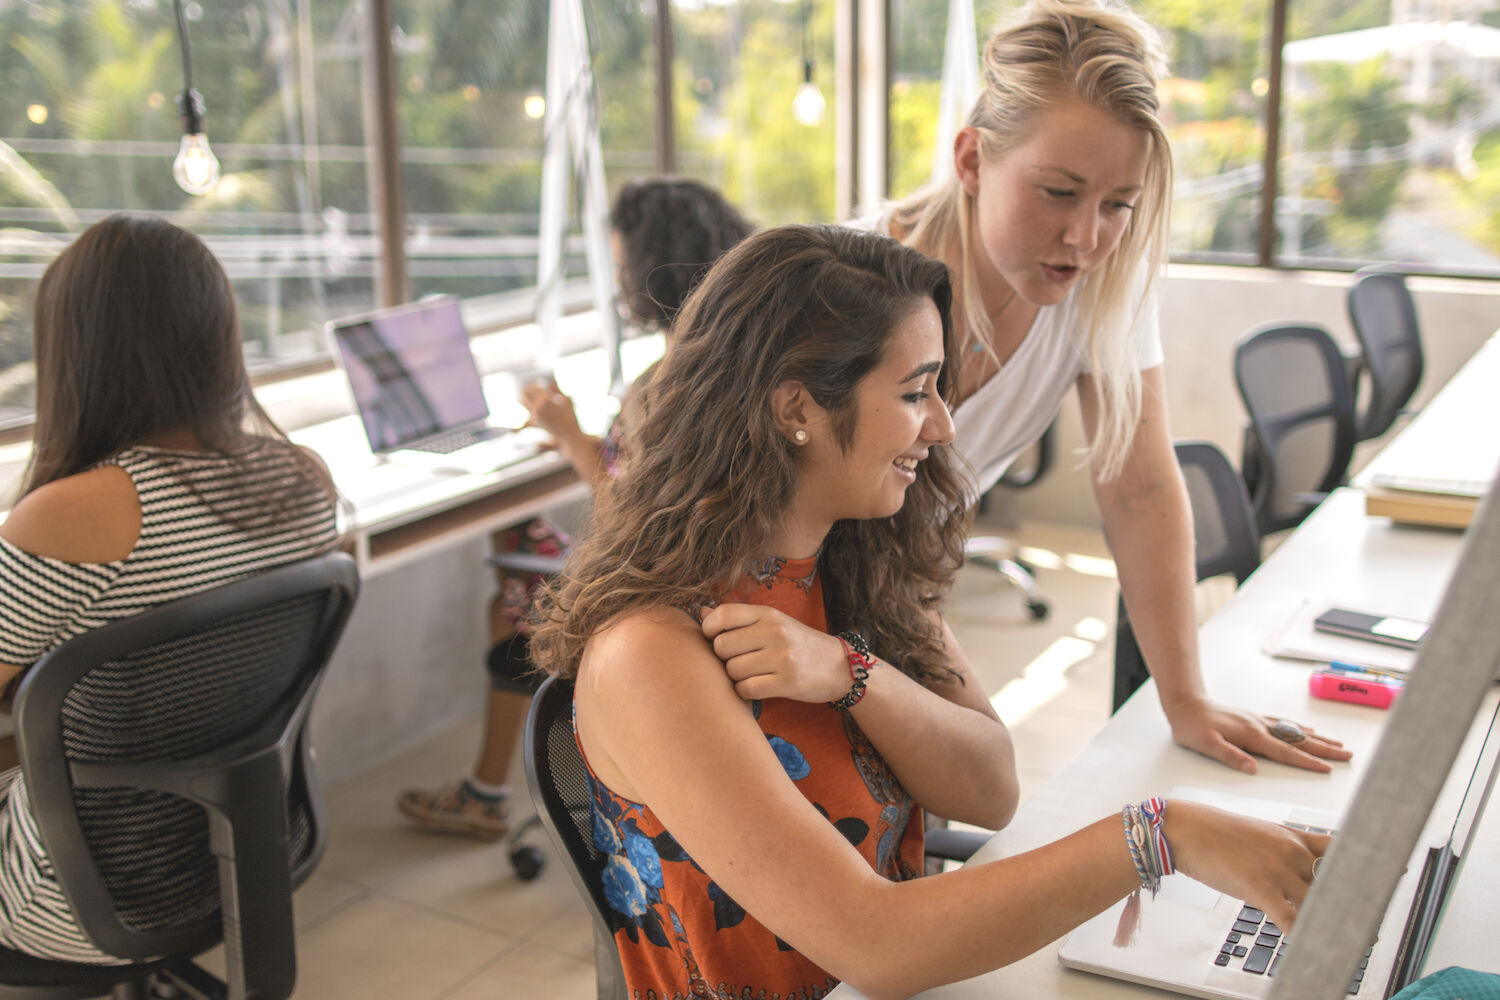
(1104, 55)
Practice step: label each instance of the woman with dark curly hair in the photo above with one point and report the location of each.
(766, 695)
(664, 232)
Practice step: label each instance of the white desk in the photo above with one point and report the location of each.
(1338, 552)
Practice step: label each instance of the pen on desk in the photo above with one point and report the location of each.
(1379, 673)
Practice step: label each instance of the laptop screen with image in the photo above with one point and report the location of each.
(411, 371)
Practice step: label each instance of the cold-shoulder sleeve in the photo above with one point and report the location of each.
(40, 598)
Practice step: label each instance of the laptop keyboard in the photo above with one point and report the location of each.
(1255, 945)
(458, 440)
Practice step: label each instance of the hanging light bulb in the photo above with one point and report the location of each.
(808, 105)
(195, 169)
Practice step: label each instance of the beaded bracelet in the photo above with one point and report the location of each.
(861, 660)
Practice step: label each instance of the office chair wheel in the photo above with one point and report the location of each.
(1038, 609)
(528, 861)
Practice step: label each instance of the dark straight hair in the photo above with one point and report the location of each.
(136, 334)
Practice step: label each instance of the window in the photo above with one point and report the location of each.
(1389, 126)
(1391, 135)
(89, 126)
(738, 66)
(472, 83)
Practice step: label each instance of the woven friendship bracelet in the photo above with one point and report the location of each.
(1146, 838)
(1136, 837)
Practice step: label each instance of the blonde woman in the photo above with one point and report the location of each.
(1055, 225)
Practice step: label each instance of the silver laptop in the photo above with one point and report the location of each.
(418, 390)
(1199, 942)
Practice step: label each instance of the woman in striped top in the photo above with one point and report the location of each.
(154, 474)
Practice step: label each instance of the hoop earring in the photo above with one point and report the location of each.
(800, 436)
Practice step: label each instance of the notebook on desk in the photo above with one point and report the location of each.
(418, 390)
(1199, 942)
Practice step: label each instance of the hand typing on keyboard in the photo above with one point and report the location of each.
(1267, 864)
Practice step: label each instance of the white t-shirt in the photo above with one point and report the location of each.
(1009, 412)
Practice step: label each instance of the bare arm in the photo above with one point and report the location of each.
(1149, 525)
(661, 724)
(942, 740)
(553, 412)
(90, 517)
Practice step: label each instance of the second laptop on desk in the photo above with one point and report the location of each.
(419, 393)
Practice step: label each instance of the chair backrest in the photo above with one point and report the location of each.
(563, 795)
(168, 773)
(1046, 455)
(1385, 321)
(1295, 387)
(1224, 534)
(1225, 542)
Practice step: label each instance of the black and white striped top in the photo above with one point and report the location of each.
(194, 535)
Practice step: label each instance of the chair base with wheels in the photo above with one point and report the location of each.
(1000, 554)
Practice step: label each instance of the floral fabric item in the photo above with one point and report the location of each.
(682, 936)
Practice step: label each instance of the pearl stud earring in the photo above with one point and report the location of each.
(800, 436)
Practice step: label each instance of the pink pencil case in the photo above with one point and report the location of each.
(1359, 690)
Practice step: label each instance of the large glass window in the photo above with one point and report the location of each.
(1389, 126)
(89, 126)
(1213, 104)
(472, 82)
(738, 67)
(1391, 136)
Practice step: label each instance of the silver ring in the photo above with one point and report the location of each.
(1287, 731)
(1317, 867)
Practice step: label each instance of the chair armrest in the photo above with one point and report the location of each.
(527, 562)
(954, 845)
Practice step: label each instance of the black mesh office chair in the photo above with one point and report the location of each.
(1295, 386)
(166, 760)
(1390, 360)
(999, 553)
(559, 784)
(1225, 541)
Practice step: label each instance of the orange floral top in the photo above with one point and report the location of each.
(678, 933)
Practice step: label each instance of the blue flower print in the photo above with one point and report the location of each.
(792, 760)
(643, 856)
(623, 888)
(605, 837)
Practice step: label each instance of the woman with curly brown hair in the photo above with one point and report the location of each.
(766, 695)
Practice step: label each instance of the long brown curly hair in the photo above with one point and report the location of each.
(708, 477)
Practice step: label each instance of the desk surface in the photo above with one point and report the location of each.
(1338, 553)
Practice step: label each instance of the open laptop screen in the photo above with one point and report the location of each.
(411, 371)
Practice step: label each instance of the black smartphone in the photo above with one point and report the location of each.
(1402, 632)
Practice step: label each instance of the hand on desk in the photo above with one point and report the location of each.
(1226, 734)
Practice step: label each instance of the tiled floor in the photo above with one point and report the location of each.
(392, 912)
